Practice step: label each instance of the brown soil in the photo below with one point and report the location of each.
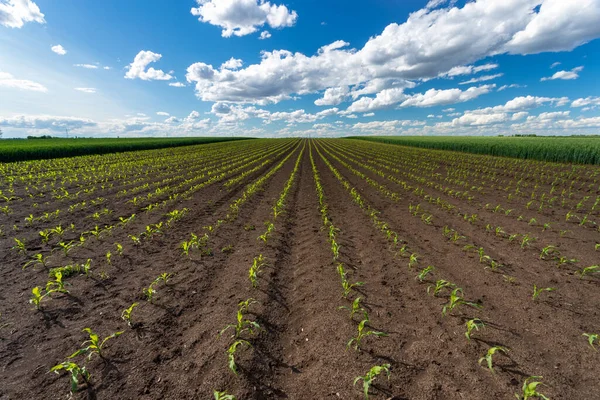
(174, 350)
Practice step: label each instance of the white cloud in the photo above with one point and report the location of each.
(86, 90)
(264, 35)
(232, 63)
(371, 114)
(87, 66)
(137, 69)
(163, 113)
(333, 96)
(15, 13)
(565, 75)
(106, 68)
(588, 101)
(9, 81)
(449, 110)
(171, 120)
(554, 65)
(48, 122)
(481, 79)
(58, 49)
(177, 84)
(243, 17)
(432, 97)
(431, 43)
(141, 115)
(560, 25)
(511, 86)
(469, 69)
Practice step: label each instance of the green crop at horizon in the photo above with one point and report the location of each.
(37, 149)
(578, 150)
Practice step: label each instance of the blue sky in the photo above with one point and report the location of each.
(293, 68)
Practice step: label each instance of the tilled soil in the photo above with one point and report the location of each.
(175, 349)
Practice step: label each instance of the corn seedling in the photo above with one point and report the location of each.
(354, 309)
(549, 251)
(565, 260)
(242, 325)
(588, 270)
(126, 314)
(136, 240)
(37, 297)
(93, 345)
(76, 372)
(413, 261)
(57, 285)
(66, 247)
(424, 272)
(537, 291)
(362, 333)
(227, 249)
(149, 293)
(597, 247)
(527, 240)
(592, 337)
(347, 287)
(510, 279)
(529, 390)
(35, 260)
(440, 284)
(108, 257)
(257, 264)
(473, 324)
(20, 246)
(45, 234)
(371, 376)
(488, 357)
(119, 247)
(231, 353)
(456, 300)
(223, 395)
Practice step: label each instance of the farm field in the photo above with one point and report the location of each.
(287, 268)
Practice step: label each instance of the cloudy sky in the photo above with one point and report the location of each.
(299, 67)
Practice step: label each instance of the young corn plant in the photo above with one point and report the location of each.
(473, 324)
(20, 246)
(57, 285)
(67, 247)
(592, 337)
(424, 272)
(223, 395)
(370, 377)
(76, 372)
(488, 357)
(413, 260)
(242, 324)
(355, 308)
(37, 297)
(440, 284)
(126, 314)
(93, 345)
(529, 390)
(527, 240)
(347, 287)
(35, 260)
(456, 300)
(549, 251)
(255, 268)
(537, 291)
(363, 333)
(588, 271)
(231, 354)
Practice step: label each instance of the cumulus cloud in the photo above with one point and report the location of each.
(433, 97)
(137, 69)
(86, 90)
(15, 13)
(163, 113)
(483, 78)
(47, 122)
(232, 63)
(243, 17)
(588, 101)
(432, 42)
(264, 35)
(565, 75)
(333, 96)
(58, 49)
(177, 84)
(9, 81)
